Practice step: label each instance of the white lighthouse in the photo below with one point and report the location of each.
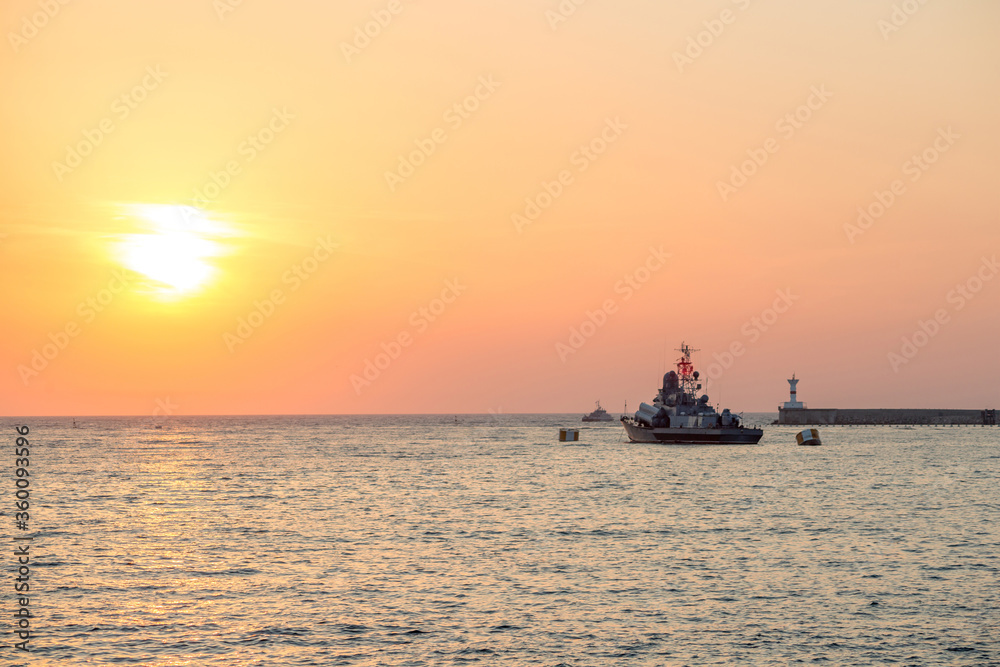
(792, 403)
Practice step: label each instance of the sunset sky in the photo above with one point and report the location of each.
(513, 206)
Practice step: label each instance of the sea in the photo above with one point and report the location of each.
(484, 540)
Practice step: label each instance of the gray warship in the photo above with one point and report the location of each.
(678, 416)
(598, 415)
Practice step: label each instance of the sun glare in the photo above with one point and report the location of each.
(176, 251)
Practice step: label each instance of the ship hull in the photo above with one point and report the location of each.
(693, 436)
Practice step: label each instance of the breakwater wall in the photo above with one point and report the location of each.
(887, 416)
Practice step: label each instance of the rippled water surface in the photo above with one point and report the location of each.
(482, 540)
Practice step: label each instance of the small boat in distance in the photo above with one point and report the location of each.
(678, 416)
(598, 415)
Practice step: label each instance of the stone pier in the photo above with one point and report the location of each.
(887, 416)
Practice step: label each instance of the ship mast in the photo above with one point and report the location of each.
(686, 373)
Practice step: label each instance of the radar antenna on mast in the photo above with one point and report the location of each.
(686, 350)
(684, 365)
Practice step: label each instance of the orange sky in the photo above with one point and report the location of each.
(253, 207)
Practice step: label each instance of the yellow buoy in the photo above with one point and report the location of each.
(810, 436)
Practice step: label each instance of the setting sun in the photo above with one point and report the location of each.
(177, 250)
